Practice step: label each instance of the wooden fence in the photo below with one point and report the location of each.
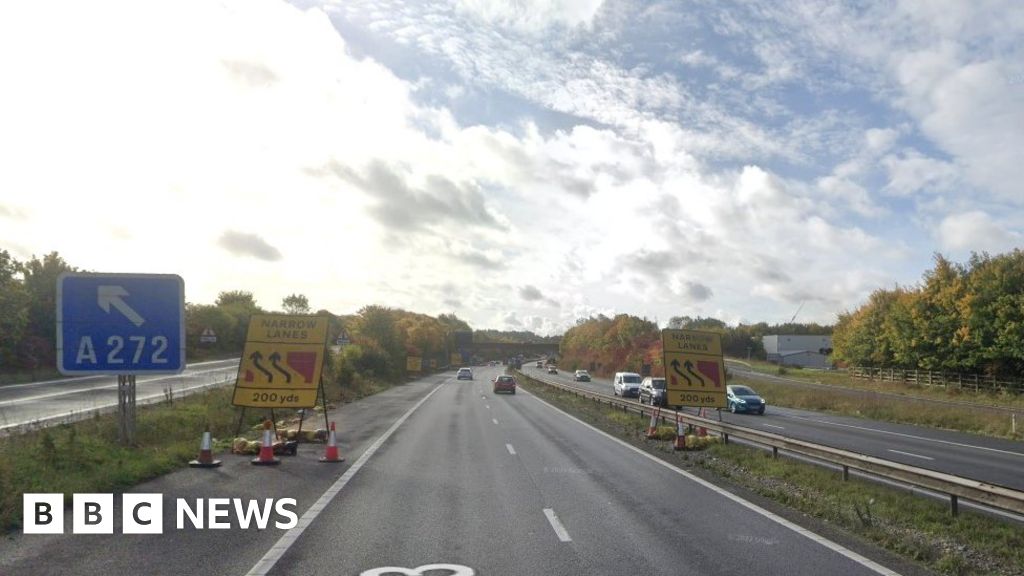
(954, 380)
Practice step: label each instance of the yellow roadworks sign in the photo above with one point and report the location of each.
(413, 363)
(694, 368)
(456, 359)
(282, 361)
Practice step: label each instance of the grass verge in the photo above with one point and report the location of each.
(841, 379)
(85, 456)
(950, 417)
(917, 529)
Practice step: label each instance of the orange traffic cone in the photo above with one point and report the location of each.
(205, 459)
(652, 428)
(266, 457)
(331, 453)
(680, 443)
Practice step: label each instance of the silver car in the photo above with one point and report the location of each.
(652, 390)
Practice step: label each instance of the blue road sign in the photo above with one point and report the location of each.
(120, 324)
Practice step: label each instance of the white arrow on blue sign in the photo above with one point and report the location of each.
(120, 323)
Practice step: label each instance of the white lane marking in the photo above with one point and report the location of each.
(78, 378)
(104, 386)
(266, 564)
(773, 426)
(488, 406)
(909, 454)
(97, 407)
(556, 524)
(451, 569)
(510, 449)
(904, 435)
(838, 548)
(495, 420)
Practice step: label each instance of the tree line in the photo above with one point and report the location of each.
(628, 342)
(961, 317)
(380, 338)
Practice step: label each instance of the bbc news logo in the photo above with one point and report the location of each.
(144, 513)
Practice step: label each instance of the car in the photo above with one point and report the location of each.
(653, 389)
(540, 364)
(626, 384)
(504, 383)
(552, 369)
(464, 374)
(744, 399)
(581, 376)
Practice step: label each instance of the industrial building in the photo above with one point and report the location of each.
(799, 350)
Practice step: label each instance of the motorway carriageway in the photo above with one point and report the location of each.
(993, 460)
(54, 401)
(441, 471)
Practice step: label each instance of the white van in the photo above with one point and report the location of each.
(626, 384)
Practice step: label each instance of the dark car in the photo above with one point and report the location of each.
(652, 390)
(504, 384)
(581, 376)
(744, 399)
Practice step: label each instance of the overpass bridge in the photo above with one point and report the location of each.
(501, 350)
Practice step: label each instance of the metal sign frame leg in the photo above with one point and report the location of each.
(323, 398)
(126, 408)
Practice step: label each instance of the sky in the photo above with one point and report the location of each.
(519, 163)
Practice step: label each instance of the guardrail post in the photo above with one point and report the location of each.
(725, 438)
(846, 473)
(775, 451)
(954, 507)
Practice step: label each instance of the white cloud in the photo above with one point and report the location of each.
(647, 193)
(532, 15)
(976, 231)
(911, 173)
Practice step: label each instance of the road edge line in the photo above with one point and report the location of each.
(813, 536)
(270, 559)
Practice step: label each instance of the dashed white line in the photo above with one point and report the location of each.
(488, 406)
(926, 439)
(510, 449)
(773, 426)
(838, 548)
(495, 420)
(556, 525)
(910, 454)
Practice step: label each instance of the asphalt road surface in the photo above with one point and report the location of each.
(54, 401)
(444, 472)
(993, 460)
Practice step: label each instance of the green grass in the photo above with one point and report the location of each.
(86, 456)
(843, 380)
(949, 417)
(916, 528)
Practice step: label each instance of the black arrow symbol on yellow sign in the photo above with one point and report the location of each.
(689, 368)
(675, 367)
(256, 357)
(273, 361)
